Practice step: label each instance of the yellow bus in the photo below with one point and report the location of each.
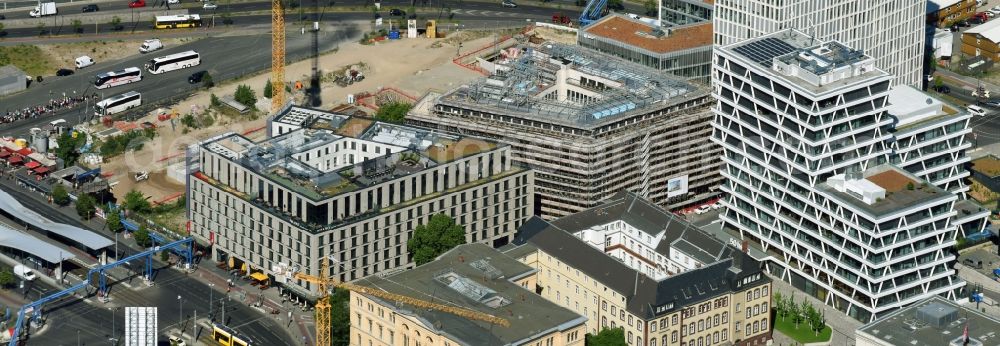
(177, 21)
(228, 337)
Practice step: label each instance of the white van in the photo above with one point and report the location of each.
(84, 61)
(24, 273)
(976, 110)
(150, 45)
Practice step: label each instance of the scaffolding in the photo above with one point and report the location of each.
(571, 85)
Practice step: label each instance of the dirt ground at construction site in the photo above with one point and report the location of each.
(414, 66)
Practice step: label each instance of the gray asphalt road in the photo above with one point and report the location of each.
(94, 321)
(224, 58)
(985, 129)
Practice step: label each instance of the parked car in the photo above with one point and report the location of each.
(173, 2)
(24, 272)
(91, 8)
(64, 72)
(993, 103)
(702, 209)
(137, 4)
(210, 6)
(717, 205)
(976, 110)
(507, 3)
(990, 14)
(84, 61)
(976, 21)
(397, 12)
(944, 89)
(196, 77)
(176, 341)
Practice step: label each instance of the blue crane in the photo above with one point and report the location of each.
(594, 10)
(35, 308)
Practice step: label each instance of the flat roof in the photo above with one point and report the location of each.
(87, 238)
(540, 85)
(913, 107)
(989, 30)
(651, 37)
(935, 5)
(934, 322)
(803, 55)
(898, 196)
(14, 239)
(409, 150)
(988, 165)
(477, 277)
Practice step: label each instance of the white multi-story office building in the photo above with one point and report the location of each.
(328, 185)
(891, 31)
(808, 140)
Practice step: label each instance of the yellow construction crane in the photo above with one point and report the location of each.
(277, 57)
(323, 304)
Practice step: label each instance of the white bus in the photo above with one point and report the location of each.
(118, 103)
(116, 78)
(173, 62)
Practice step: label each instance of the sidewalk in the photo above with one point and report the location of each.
(209, 273)
(842, 325)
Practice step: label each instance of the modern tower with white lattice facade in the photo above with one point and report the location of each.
(890, 31)
(808, 140)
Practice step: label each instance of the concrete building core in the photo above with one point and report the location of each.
(590, 125)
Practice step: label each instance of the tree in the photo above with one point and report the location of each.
(114, 221)
(142, 237)
(779, 305)
(41, 28)
(815, 320)
(651, 7)
(607, 337)
(803, 310)
(938, 83)
(85, 206)
(1, 30)
(268, 89)
(116, 23)
(438, 236)
(793, 311)
(59, 195)
(77, 26)
(135, 201)
(616, 5)
(69, 147)
(393, 112)
(206, 80)
(340, 317)
(6, 277)
(245, 96)
(164, 256)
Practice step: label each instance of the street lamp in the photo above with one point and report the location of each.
(211, 299)
(180, 319)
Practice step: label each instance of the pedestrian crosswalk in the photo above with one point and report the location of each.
(482, 13)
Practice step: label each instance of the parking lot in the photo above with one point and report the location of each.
(982, 260)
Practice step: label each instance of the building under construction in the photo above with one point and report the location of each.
(590, 125)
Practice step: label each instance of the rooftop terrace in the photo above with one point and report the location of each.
(335, 154)
(571, 86)
(901, 190)
(651, 37)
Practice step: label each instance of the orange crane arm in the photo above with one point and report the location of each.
(467, 313)
(470, 314)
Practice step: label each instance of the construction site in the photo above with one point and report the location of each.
(590, 124)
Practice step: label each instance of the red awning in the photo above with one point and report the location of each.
(15, 159)
(24, 151)
(32, 164)
(41, 170)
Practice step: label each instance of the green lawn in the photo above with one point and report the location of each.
(802, 334)
(30, 59)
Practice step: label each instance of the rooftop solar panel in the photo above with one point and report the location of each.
(765, 50)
